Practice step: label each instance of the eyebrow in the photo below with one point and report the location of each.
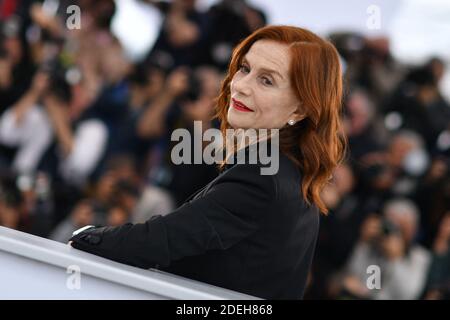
(244, 60)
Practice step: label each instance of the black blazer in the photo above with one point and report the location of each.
(243, 231)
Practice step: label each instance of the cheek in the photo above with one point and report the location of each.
(265, 108)
(232, 83)
(273, 107)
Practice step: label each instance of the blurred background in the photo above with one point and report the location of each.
(90, 92)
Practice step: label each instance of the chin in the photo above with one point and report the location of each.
(239, 121)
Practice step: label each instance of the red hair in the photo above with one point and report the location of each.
(317, 143)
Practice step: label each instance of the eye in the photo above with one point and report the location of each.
(266, 81)
(243, 68)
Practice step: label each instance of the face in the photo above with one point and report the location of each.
(261, 92)
(405, 223)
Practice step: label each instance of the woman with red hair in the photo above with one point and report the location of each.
(247, 231)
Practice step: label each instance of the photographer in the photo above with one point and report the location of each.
(397, 170)
(182, 34)
(80, 142)
(16, 63)
(153, 120)
(230, 22)
(188, 96)
(25, 127)
(420, 105)
(388, 242)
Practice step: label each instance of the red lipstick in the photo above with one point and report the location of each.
(240, 106)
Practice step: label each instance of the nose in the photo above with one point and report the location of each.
(242, 85)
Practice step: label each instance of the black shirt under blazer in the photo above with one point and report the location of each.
(243, 231)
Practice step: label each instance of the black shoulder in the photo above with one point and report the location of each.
(288, 179)
(250, 177)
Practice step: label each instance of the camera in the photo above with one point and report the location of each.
(194, 88)
(58, 84)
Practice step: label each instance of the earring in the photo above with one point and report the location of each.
(291, 122)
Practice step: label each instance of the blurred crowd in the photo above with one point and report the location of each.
(85, 138)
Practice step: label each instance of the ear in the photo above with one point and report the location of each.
(298, 114)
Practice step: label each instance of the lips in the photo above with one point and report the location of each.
(238, 105)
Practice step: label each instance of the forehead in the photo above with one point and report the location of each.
(270, 54)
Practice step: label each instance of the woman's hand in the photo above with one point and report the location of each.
(141, 245)
(78, 231)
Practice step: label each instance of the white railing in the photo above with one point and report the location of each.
(32, 267)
